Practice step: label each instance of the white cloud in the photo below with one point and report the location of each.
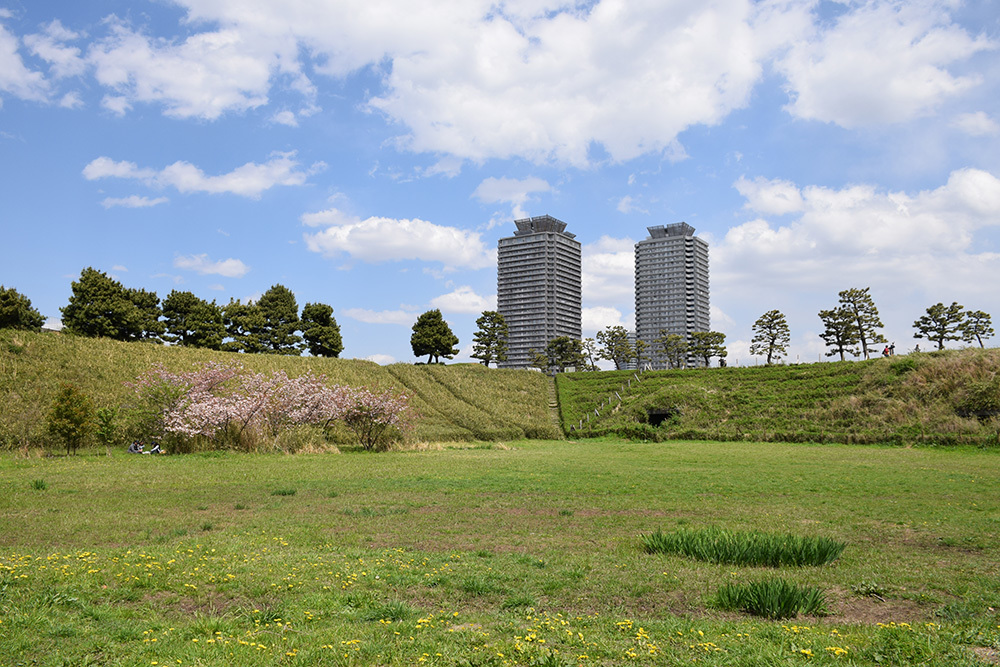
(229, 268)
(388, 239)
(609, 270)
(133, 201)
(119, 267)
(400, 317)
(765, 196)
(598, 318)
(248, 180)
(381, 359)
(204, 76)
(15, 77)
(977, 124)
(49, 45)
(628, 205)
(510, 190)
(285, 118)
(464, 300)
(881, 62)
(860, 232)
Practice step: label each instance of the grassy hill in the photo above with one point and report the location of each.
(455, 403)
(949, 397)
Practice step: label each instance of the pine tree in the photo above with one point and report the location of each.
(321, 331)
(432, 336)
(771, 336)
(489, 343)
(940, 324)
(16, 311)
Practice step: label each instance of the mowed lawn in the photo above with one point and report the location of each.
(518, 554)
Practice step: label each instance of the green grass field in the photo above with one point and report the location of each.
(527, 553)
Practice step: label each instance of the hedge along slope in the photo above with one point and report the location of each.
(949, 397)
(449, 400)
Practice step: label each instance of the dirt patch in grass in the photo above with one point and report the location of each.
(987, 655)
(869, 611)
(209, 603)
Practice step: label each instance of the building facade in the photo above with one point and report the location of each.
(538, 287)
(671, 288)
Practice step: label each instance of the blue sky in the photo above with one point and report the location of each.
(368, 155)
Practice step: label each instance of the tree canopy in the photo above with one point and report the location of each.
(674, 348)
(489, 343)
(16, 311)
(281, 321)
(615, 346)
(432, 336)
(245, 326)
(560, 353)
(940, 324)
(192, 322)
(840, 331)
(771, 336)
(866, 318)
(708, 344)
(102, 307)
(976, 327)
(321, 331)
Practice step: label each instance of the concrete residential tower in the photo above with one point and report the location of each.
(538, 286)
(671, 287)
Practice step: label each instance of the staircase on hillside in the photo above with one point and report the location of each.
(554, 405)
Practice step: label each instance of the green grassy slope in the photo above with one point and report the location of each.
(923, 398)
(460, 402)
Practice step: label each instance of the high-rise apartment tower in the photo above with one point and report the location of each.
(538, 286)
(671, 287)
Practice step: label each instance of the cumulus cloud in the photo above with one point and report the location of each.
(381, 359)
(922, 239)
(249, 180)
(608, 268)
(598, 318)
(400, 317)
(464, 300)
(229, 268)
(15, 77)
(977, 124)
(881, 62)
(379, 239)
(133, 201)
(510, 190)
(204, 76)
(50, 45)
(765, 196)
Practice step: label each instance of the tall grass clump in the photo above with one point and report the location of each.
(771, 598)
(752, 548)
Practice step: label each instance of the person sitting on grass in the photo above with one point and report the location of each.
(135, 447)
(155, 449)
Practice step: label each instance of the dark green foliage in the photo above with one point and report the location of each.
(866, 318)
(70, 419)
(748, 548)
(281, 321)
(432, 336)
(283, 492)
(673, 347)
(102, 307)
(840, 331)
(615, 346)
(321, 331)
(708, 344)
(940, 324)
(976, 327)
(193, 322)
(39, 485)
(560, 353)
(392, 610)
(771, 598)
(490, 340)
(770, 336)
(16, 311)
(245, 327)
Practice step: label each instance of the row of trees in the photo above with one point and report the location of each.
(102, 307)
(853, 327)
